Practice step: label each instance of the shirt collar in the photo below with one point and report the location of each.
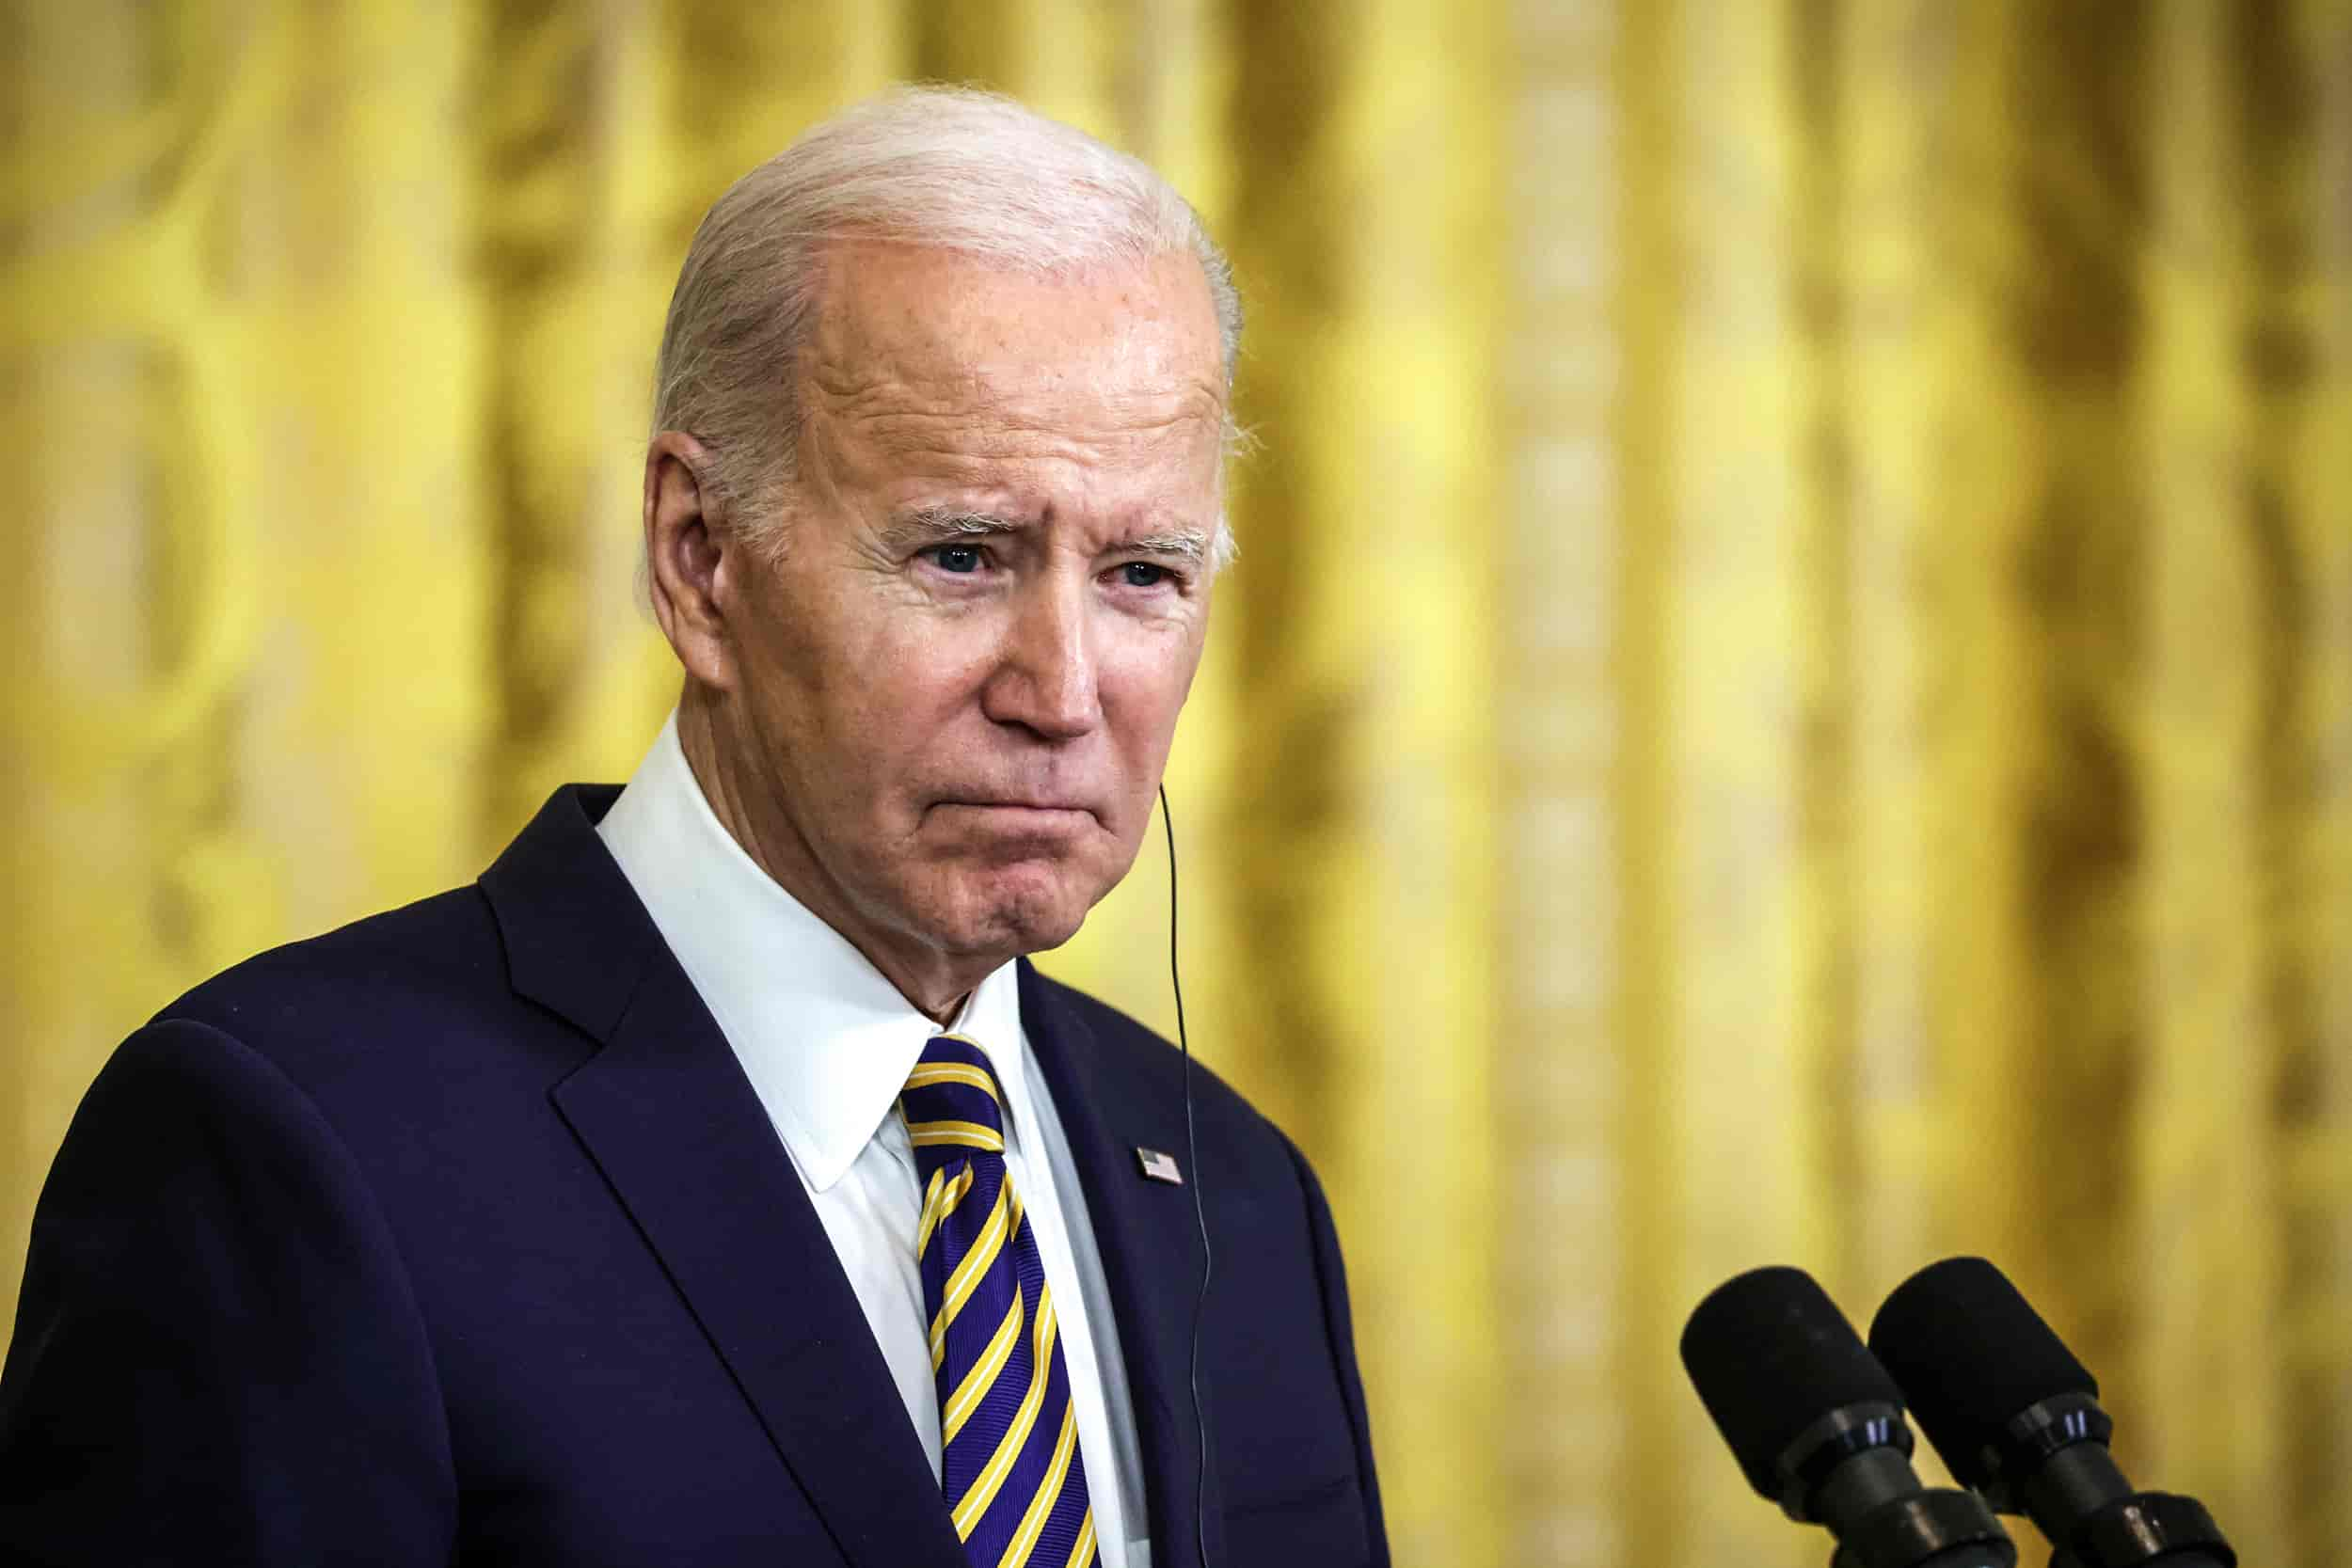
(826, 1042)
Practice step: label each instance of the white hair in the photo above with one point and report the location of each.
(952, 168)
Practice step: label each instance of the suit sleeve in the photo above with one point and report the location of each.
(1339, 1334)
(217, 1357)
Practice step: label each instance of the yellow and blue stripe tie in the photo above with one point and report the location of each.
(1015, 1484)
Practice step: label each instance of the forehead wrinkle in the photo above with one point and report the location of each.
(881, 390)
(892, 410)
(991, 455)
(910, 331)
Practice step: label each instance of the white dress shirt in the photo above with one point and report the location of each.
(827, 1043)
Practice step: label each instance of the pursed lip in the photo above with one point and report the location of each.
(985, 804)
(1042, 813)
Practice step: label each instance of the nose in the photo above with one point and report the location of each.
(1045, 679)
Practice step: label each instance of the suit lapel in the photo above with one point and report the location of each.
(666, 1114)
(1147, 1235)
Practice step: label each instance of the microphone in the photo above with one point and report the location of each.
(2017, 1417)
(1817, 1425)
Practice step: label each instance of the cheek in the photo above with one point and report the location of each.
(895, 731)
(1145, 679)
(865, 680)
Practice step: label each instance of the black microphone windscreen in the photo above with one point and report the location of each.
(1971, 1354)
(1771, 1354)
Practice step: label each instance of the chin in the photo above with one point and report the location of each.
(1016, 911)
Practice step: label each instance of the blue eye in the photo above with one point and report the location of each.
(1143, 574)
(960, 559)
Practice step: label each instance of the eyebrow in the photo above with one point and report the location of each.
(1187, 546)
(930, 524)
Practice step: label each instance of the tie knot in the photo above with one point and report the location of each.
(952, 1103)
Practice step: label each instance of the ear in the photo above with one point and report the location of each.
(687, 558)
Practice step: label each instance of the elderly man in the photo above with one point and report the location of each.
(712, 1182)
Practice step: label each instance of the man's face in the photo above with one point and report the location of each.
(958, 681)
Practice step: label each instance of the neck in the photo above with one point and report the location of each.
(934, 983)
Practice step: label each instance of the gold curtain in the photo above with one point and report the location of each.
(1787, 694)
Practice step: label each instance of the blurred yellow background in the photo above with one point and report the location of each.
(1787, 694)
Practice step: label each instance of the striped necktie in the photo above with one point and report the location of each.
(1008, 1433)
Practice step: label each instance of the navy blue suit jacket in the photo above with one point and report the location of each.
(458, 1236)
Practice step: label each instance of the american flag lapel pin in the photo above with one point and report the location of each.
(1158, 1166)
